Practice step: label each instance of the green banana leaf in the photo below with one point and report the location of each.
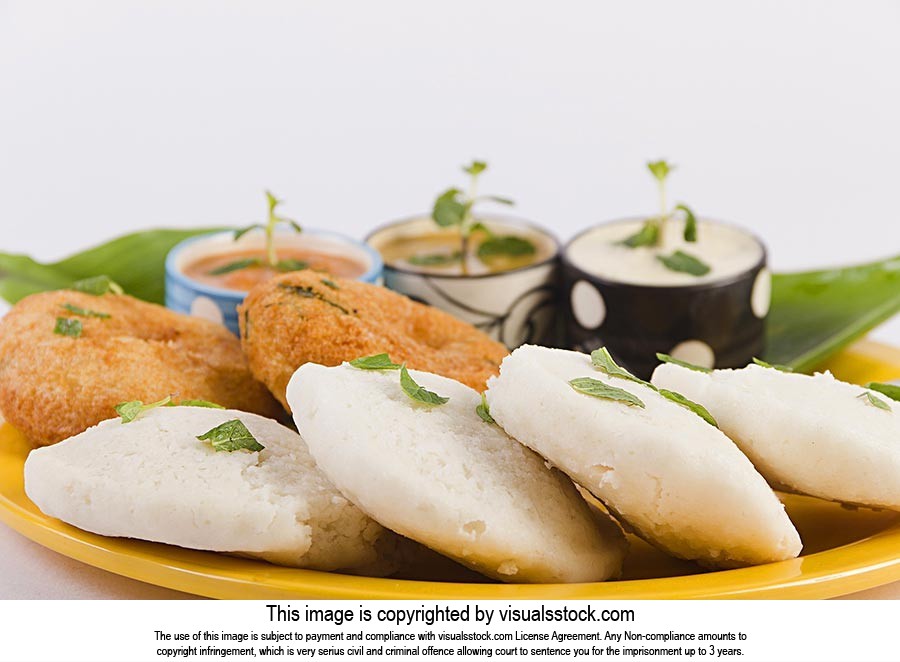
(135, 261)
(813, 315)
(816, 313)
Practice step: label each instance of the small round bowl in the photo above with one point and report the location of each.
(717, 322)
(186, 295)
(513, 307)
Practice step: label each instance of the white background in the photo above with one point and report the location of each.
(782, 116)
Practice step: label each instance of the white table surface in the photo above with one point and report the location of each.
(122, 116)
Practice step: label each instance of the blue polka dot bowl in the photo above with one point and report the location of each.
(636, 309)
(191, 297)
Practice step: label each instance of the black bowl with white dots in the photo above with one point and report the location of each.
(719, 323)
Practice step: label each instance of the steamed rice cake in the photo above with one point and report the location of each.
(153, 479)
(678, 481)
(448, 479)
(810, 434)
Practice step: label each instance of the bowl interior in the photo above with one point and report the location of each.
(728, 250)
(326, 243)
(411, 228)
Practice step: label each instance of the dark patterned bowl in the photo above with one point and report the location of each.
(715, 323)
(514, 307)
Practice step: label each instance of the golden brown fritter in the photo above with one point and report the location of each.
(304, 316)
(53, 386)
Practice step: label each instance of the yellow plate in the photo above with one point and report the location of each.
(845, 550)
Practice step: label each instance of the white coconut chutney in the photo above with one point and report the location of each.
(726, 249)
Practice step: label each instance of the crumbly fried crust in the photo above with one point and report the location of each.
(53, 386)
(299, 318)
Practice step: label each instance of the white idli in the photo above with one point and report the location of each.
(679, 482)
(446, 478)
(809, 434)
(153, 479)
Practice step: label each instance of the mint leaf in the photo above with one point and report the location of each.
(231, 436)
(242, 231)
(665, 358)
(690, 223)
(130, 410)
(874, 400)
(598, 389)
(449, 209)
(780, 368)
(603, 360)
(508, 245)
(660, 169)
(435, 259)
(475, 168)
(496, 198)
(97, 285)
(685, 263)
(698, 409)
(648, 235)
(66, 326)
(375, 362)
(484, 411)
(236, 265)
(291, 265)
(84, 312)
(890, 390)
(419, 393)
(196, 403)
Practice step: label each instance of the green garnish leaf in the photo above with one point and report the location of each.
(780, 368)
(97, 285)
(449, 209)
(196, 403)
(435, 259)
(327, 282)
(685, 263)
(291, 265)
(660, 169)
(130, 410)
(648, 235)
(419, 393)
(874, 400)
(665, 358)
(375, 362)
(484, 411)
(294, 224)
(231, 436)
(507, 245)
(698, 409)
(603, 360)
(690, 223)
(499, 199)
(890, 390)
(475, 168)
(598, 389)
(309, 293)
(237, 265)
(66, 326)
(242, 231)
(85, 312)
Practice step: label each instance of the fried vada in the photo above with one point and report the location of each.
(307, 317)
(59, 378)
